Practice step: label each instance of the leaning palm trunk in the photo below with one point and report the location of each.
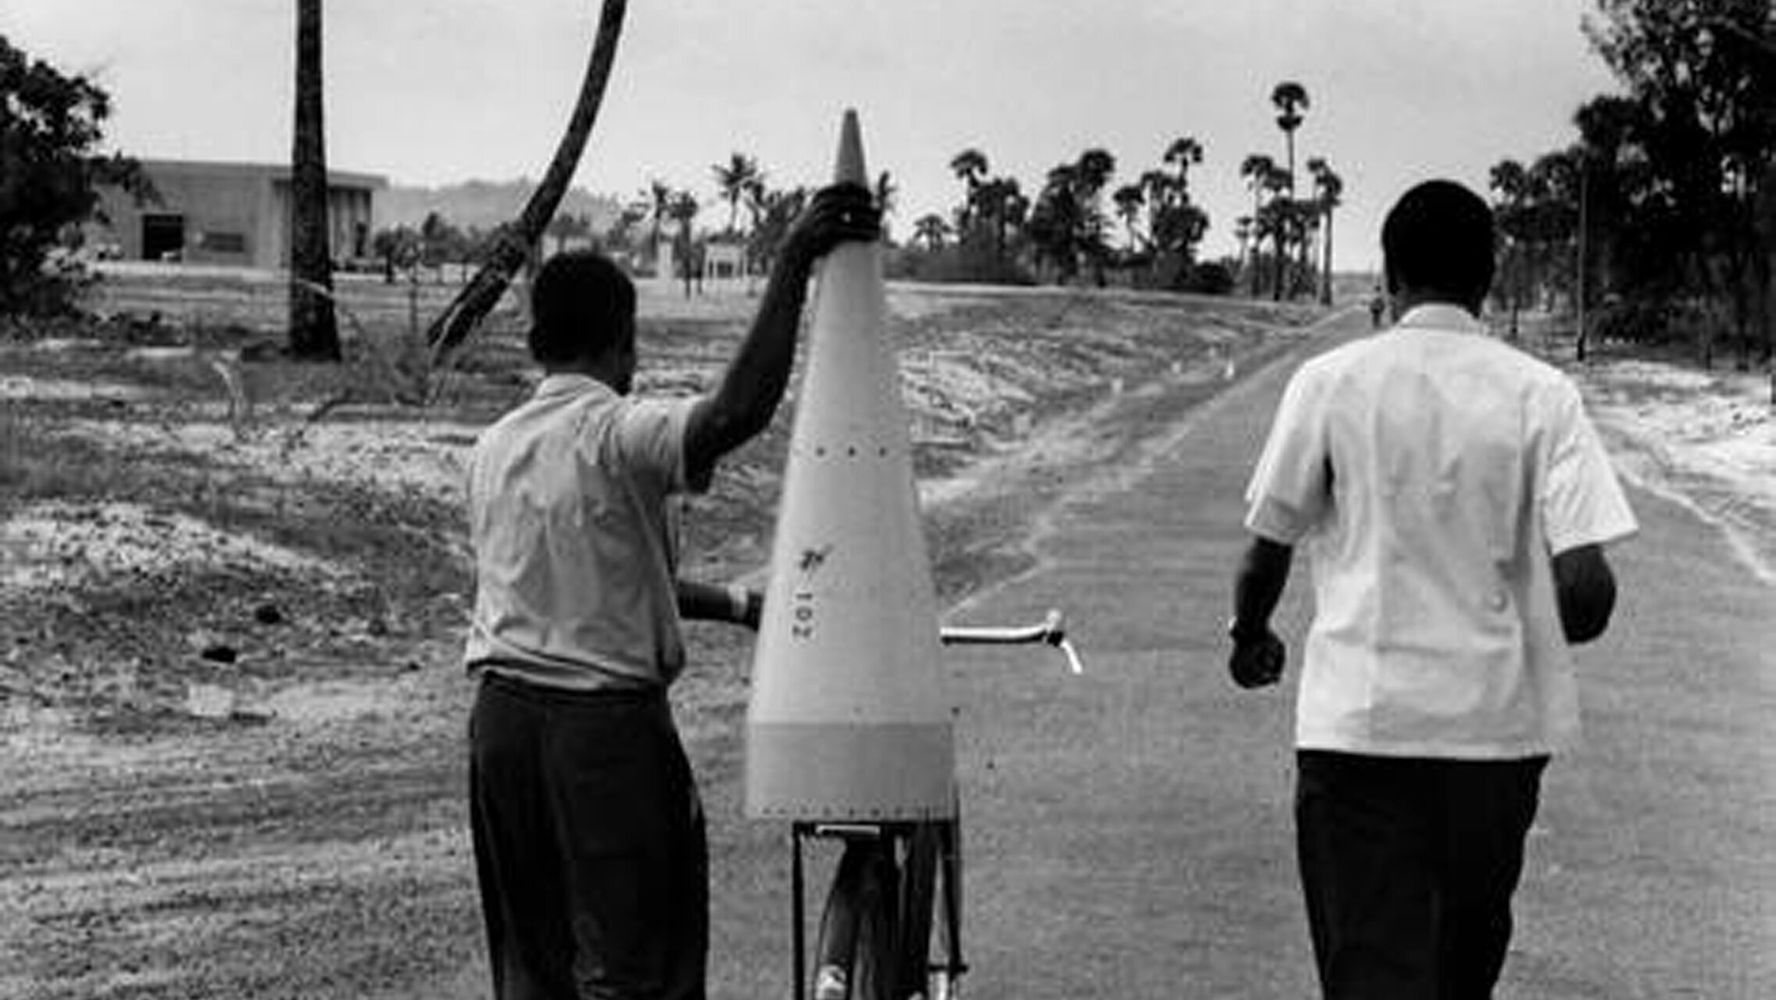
(515, 243)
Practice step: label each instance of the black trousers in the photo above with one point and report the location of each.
(590, 845)
(1408, 866)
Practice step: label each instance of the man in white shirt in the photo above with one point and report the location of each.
(589, 839)
(1454, 500)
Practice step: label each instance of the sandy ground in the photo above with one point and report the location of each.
(288, 824)
(1704, 439)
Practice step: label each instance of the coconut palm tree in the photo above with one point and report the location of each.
(732, 178)
(1328, 192)
(1184, 153)
(515, 243)
(1129, 199)
(683, 210)
(969, 166)
(314, 329)
(1257, 169)
(931, 228)
(1290, 98)
(1242, 231)
(886, 191)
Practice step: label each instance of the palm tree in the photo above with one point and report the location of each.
(514, 246)
(885, 191)
(1290, 98)
(1242, 231)
(1184, 153)
(931, 228)
(733, 178)
(1281, 208)
(683, 210)
(659, 205)
(1328, 190)
(969, 166)
(1129, 200)
(1257, 169)
(314, 329)
(1091, 175)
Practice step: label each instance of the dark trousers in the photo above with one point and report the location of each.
(589, 845)
(1408, 866)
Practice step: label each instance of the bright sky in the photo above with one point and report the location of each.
(435, 91)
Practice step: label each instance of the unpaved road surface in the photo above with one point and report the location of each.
(1128, 832)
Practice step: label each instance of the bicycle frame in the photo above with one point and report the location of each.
(897, 837)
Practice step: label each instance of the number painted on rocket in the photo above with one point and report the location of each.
(801, 615)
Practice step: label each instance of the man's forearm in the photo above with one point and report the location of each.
(754, 382)
(709, 602)
(1258, 586)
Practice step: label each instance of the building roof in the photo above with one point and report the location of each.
(273, 171)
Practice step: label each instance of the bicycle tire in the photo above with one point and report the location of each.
(918, 909)
(858, 924)
(875, 961)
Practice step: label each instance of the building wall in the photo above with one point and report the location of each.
(230, 213)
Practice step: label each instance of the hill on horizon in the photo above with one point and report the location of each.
(484, 204)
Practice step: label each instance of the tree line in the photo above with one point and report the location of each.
(1078, 225)
(1657, 223)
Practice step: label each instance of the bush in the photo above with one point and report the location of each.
(1635, 321)
(50, 125)
(1208, 278)
(956, 265)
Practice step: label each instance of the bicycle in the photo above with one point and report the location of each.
(897, 888)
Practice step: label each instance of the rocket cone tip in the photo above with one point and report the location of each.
(848, 166)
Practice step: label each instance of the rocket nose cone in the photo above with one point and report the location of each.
(848, 167)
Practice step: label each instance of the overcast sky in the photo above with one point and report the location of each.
(435, 91)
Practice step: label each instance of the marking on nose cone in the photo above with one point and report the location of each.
(813, 559)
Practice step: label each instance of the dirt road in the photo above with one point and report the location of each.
(1129, 833)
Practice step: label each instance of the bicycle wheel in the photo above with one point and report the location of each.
(917, 906)
(933, 898)
(854, 955)
(875, 964)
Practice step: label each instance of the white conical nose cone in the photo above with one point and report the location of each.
(848, 717)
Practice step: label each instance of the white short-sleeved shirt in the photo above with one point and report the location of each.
(575, 540)
(1431, 472)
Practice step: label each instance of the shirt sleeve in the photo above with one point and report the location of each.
(651, 436)
(1290, 486)
(1582, 502)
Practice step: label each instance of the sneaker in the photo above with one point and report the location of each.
(831, 983)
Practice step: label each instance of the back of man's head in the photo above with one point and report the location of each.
(582, 306)
(1437, 244)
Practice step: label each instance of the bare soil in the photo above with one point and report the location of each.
(232, 590)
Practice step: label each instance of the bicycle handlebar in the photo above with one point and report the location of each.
(1051, 630)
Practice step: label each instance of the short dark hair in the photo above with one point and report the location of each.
(1439, 238)
(581, 306)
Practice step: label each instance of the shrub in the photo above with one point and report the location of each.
(50, 125)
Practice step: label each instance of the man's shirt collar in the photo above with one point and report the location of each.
(1442, 316)
(558, 384)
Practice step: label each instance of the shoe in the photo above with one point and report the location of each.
(831, 983)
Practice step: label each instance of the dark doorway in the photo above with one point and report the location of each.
(163, 237)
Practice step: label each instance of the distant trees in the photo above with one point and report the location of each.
(50, 129)
(1286, 217)
(735, 177)
(314, 329)
(1328, 193)
(1078, 224)
(1289, 98)
(1659, 221)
